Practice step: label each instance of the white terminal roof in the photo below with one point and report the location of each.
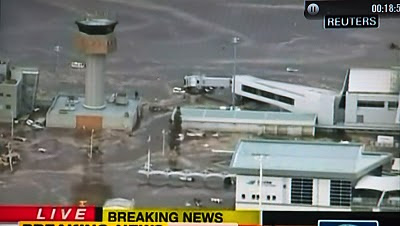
(295, 89)
(368, 80)
(384, 183)
(249, 117)
(307, 159)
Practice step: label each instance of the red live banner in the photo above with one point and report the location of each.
(47, 213)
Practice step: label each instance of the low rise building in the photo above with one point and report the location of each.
(260, 122)
(301, 175)
(371, 98)
(18, 87)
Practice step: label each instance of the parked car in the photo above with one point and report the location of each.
(290, 69)
(216, 200)
(42, 150)
(178, 90)
(37, 126)
(29, 122)
(77, 65)
(20, 139)
(186, 179)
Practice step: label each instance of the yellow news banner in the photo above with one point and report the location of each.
(244, 217)
(94, 223)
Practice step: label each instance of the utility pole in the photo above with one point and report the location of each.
(91, 145)
(163, 141)
(235, 41)
(10, 156)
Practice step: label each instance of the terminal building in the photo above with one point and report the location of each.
(301, 175)
(18, 88)
(368, 100)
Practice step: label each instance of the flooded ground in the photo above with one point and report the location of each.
(64, 174)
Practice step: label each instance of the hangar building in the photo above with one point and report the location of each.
(301, 175)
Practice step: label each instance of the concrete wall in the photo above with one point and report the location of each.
(120, 121)
(273, 188)
(280, 187)
(373, 116)
(61, 120)
(321, 194)
(12, 101)
(69, 121)
(250, 128)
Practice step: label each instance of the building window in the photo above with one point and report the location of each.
(272, 96)
(268, 197)
(302, 191)
(393, 104)
(258, 197)
(1, 94)
(340, 193)
(8, 106)
(8, 95)
(360, 118)
(243, 196)
(253, 196)
(370, 104)
(249, 89)
(273, 197)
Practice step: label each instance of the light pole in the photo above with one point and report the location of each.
(10, 143)
(163, 141)
(235, 41)
(57, 50)
(260, 158)
(12, 125)
(148, 154)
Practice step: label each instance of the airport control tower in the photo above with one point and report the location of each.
(95, 39)
(94, 110)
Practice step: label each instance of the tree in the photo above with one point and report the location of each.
(178, 120)
(175, 128)
(172, 136)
